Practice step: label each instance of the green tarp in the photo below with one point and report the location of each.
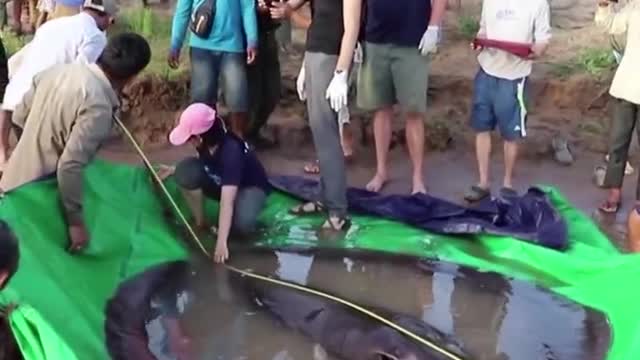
(64, 296)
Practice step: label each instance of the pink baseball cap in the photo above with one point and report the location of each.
(196, 119)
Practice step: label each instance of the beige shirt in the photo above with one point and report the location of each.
(626, 82)
(65, 116)
(515, 21)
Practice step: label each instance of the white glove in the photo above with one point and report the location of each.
(357, 54)
(343, 118)
(302, 93)
(338, 90)
(429, 42)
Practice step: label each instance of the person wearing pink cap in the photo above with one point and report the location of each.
(226, 169)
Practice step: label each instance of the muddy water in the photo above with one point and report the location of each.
(491, 317)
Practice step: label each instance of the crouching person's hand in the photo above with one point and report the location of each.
(78, 236)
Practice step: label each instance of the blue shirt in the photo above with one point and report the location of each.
(400, 23)
(233, 163)
(235, 26)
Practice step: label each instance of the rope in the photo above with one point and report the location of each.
(286, 284)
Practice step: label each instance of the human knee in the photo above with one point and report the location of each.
(190, 173)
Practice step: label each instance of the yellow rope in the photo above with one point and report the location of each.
(347, 303)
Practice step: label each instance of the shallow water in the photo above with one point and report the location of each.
(492, 317)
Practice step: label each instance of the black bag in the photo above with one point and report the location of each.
(202, 19)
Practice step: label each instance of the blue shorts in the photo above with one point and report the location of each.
(208, 67)
(499, 102)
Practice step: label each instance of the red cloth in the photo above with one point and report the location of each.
(519, 49)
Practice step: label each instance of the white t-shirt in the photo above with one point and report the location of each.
(64, 40)
(515, 21)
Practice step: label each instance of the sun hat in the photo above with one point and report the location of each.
(196, 119)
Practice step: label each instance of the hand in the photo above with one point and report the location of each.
(251, 55)
(173, 59)
(262, 6)
(222, 252)
(300, 85)
(475, 47)
(429, 42)
(78, 237)
(164, 171)
(338, 90)
(280, 10)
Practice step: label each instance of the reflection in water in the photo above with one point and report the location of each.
(493, 318)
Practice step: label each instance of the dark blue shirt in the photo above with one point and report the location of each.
(395, 22)
(233, 163)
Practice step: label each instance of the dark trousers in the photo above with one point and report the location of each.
(625, 119)
(264, 83)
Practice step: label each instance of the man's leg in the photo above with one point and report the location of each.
(620, 134)
(510, 109)
(205, 66)
(247, 209)
(265, 86)
(233, 72)
(410, 72)
(376, 92)
(323, 120)
(382, 136)
(483, 122)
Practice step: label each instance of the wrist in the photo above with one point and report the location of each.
(433, 28)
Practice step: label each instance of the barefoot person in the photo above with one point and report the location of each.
(626, 92)
(75, 38)
(399, 36)
(64, 119)
(331, 40)
(501, 82)
(226, 169)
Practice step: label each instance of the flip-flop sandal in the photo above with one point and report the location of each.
(506, 192)
(312, 168)
(476, 193)
(343, 223)
(308, 208)
(610, 207)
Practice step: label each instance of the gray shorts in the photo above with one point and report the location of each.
(392, 75)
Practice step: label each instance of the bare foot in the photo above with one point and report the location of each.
(418, 187)
(377, 183)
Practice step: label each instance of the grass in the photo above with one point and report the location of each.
(154, 27)
(468, 26)
(594, 61)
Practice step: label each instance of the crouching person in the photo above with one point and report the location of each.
(226, 169)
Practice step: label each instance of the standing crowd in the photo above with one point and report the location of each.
(62, 96)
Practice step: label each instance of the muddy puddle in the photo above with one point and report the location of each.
(211, 313)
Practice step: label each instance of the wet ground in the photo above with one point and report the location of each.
(489, 316)
(492, 317)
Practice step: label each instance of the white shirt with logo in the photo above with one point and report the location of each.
(514, 21)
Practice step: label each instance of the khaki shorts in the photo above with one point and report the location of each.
(392, 75)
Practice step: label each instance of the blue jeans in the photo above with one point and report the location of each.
(496, 104)
(208, 67)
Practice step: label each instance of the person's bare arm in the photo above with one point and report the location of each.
(615, 23)
(351, 17)
(542, 31)
(227, 201)
(283, 9)
(300, 20)
(438, 9)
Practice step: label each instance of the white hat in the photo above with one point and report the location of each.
(108, 7)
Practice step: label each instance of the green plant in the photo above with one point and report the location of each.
(596, 61)
(468, 26)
